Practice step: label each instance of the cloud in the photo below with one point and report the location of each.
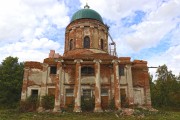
(171, 58)
(28, 18)
(155, 26)
(27, 27)
(115, 10)
(148, 34)
(35, 50)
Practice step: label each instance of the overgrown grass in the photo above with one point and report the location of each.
(13, 114)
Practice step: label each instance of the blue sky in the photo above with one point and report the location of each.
(142, 29)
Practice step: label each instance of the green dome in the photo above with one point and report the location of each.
(86, 13)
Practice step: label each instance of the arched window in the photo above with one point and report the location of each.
(71, 44)
(86, 42)
(102, 44)
(87, 71)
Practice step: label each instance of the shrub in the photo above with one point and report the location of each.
(48, 102)
(87, 104)
(30, 104)
(112, 104)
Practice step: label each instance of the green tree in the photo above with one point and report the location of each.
(166, 89)
(11, 76)
(153, 90)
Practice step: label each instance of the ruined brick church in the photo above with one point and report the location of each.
(89, 68)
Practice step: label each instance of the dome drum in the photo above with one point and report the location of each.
(95, 31)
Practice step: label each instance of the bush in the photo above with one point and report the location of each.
(124, 101)
(69, 107)
(112, 104)
(48, 102)
(87, 104)
(30, 104)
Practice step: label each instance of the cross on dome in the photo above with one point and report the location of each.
(86, 6)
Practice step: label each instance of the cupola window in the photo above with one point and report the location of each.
(102, 44)
(86, 42)
(71, 44)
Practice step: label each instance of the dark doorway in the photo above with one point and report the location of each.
(87, 100)
(124, 102)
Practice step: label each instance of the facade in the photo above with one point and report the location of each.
(88, 69)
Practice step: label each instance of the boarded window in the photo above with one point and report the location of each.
(34, 93)
(102, 44)
(105, 102)
(138, 96)
(123, 92)
(71, 44)
(87, 71)
(51, 91)
(86, 42)
(53, 69)
(104, 98)
(121, 70)
(69, 97)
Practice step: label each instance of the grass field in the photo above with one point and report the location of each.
(12, 114)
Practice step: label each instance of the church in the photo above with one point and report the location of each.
(89, 68)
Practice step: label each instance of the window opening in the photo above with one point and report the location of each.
(121, 70)
(104, 92)
(87, 71)
(86, 42)
(53, 69)
(102, 44)
(34, 93)
(69, 92)
(71, 44)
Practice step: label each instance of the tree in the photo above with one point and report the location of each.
(166, 89)
(153, 90)
(11, 76)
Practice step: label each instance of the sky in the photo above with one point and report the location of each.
(142, 29)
